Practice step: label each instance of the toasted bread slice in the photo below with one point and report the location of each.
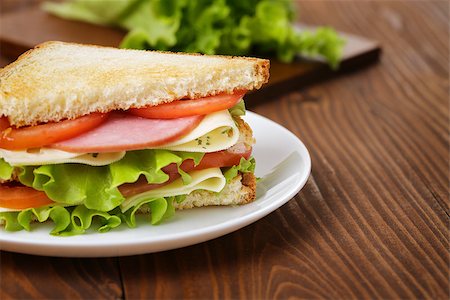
(57, 80)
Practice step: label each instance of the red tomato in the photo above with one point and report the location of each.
(140, 186)
(45, 134)
(185, 108)
(210, 160)
(22, 197)
(4, 123)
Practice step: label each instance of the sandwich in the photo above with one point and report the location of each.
(92, 136)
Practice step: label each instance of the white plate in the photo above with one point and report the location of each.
(282, 160)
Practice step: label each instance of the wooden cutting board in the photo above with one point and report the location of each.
(22, 30)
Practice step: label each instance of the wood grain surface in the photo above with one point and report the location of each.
(372, 221)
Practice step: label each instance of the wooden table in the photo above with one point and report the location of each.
(372, 221)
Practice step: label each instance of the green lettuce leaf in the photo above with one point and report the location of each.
(81, 219)
(10, 220)
(15, 221)
(102, 12)
(152, 25)
(69, 221)
(144, 162)
(245, 166)
(271, 33)
(97, 187)
(238, 109)
(234, 27)
(6, 170)
(58, 214)
(161, 209)
(73, 184)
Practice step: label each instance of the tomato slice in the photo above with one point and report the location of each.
(22, 197)
(141, 186)
(49, 133)
(210, 160)
(4, 123)
(185, 108)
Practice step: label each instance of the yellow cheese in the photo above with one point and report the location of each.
(46, 156)
(208, 179)
(216, 132)
(2, 209)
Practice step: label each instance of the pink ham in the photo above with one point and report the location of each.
(124, 132)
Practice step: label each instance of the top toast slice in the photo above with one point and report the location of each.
(56, 80)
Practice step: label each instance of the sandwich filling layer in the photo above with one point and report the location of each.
(216, 132)
(75, 187)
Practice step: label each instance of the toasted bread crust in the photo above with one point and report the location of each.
(249, 183)
(241, 190)
(246, 139)
(56, 81)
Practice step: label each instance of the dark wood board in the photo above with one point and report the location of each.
(23, 29)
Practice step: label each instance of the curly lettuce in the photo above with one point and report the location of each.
(238, 109)
(234, 27)
(73, 184)
(97, 187)
(6, 170)
(86, 195)
(78, 219)
(245, 166)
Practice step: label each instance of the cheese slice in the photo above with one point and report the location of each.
(216, 132)
(47, 156)
(208, 179)
(2, 209)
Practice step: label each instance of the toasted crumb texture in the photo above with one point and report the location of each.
(57, 80)
(246, 139)
(240, 190)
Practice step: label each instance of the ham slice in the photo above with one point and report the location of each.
(125, 132)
